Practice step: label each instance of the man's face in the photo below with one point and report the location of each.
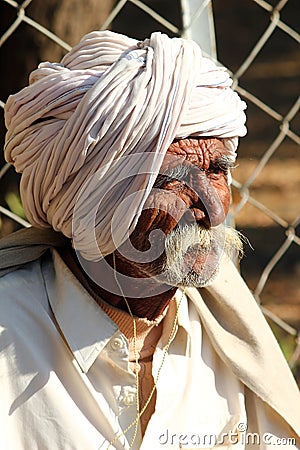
(188, 202)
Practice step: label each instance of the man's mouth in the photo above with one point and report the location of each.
(198, 256)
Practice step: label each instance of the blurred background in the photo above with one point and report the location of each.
(258, 41)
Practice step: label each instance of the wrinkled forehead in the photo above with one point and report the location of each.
(201, 152)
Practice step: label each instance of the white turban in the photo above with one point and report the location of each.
(111, 108)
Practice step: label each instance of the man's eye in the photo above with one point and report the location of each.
(176, 175)
(161, 181)
(222, 165)
(217, 169)
(164, 180)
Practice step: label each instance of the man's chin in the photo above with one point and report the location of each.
(193, 279)
(197, 269)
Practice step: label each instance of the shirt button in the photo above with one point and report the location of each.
(117, 344)
(129, 399)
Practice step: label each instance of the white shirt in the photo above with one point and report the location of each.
(66, 382)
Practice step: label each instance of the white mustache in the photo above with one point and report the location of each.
(192, 237)
(182, 238)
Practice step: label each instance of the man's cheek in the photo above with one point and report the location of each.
(164, 209)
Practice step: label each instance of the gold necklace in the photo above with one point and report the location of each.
(139, 413)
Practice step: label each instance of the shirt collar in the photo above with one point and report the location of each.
(85, 326)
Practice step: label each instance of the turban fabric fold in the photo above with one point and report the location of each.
(112, 107)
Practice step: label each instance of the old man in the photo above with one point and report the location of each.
(124, 323)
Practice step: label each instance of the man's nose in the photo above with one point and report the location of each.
(208, 209)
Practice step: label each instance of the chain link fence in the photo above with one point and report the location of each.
(259, 43)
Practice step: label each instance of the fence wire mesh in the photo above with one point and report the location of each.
(258, 42)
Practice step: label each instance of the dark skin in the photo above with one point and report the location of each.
(204, 199)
